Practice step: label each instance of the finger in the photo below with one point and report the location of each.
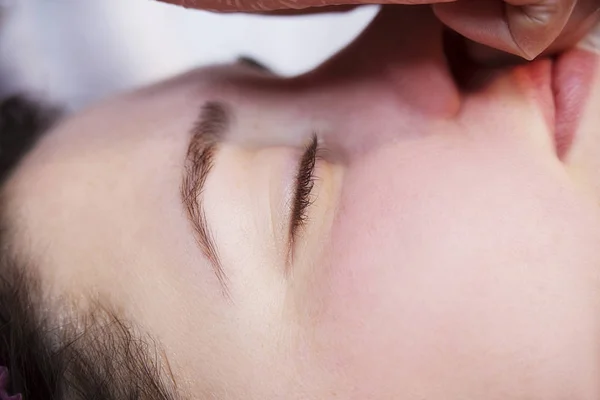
(312, 10)
(285, 7)
(534, 27)
(584, 20)
(522, 27)
(304, 11)
(591, 42)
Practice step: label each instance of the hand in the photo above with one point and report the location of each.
(526, 28)
(287, 7)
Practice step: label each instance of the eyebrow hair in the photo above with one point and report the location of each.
(208, 131)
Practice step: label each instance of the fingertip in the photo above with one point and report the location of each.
(490, 57)
(482, 21)
(534, 27)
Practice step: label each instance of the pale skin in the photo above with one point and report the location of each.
(449, 253)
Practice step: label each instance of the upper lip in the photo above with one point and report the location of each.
(572, 73)
(561, 85)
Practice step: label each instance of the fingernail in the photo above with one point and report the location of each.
(534, 27)
(521, 30)
(490, 57)
(529, 52)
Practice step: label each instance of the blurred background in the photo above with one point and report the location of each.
(75, 52)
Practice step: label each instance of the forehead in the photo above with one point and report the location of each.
(111, 160)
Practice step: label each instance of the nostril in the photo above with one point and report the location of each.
(462, 67)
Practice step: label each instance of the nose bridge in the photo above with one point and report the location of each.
(388, 84)
(403, 50)
(361, 130)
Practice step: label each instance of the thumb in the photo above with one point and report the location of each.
(536, 26)
(522, 27)
(591, 42)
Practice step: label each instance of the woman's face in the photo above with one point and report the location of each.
(449, 247)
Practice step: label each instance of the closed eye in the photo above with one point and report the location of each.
(305, 182)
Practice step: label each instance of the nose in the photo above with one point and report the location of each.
(402, 52)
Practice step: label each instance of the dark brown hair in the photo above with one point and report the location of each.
(96, 356)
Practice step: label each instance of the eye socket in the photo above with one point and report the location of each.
(305, 182)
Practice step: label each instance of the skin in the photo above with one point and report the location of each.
(449, 252)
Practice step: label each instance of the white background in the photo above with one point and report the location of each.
(78, 51)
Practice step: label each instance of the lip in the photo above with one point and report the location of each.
(560, 86)
(571, 85)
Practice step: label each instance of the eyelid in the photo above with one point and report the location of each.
(304, 185)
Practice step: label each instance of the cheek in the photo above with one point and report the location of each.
(456, 277)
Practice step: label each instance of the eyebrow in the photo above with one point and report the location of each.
(207, 132)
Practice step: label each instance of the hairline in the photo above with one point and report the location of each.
(55, 349)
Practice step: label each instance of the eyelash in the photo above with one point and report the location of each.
(305, 182)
